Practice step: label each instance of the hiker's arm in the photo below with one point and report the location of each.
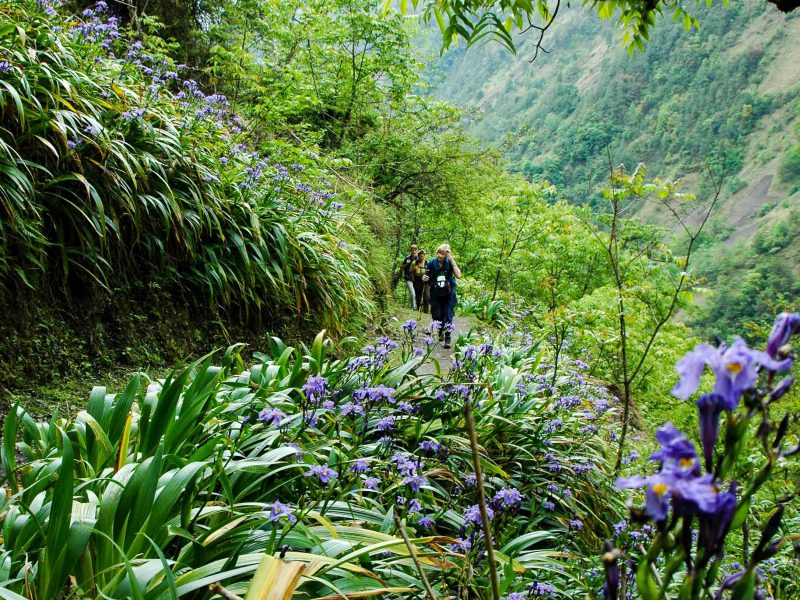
(456, 270)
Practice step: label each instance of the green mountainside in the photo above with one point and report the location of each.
(727, 95)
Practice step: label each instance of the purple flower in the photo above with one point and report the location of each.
(324, 472)
(620, 527)
(279, 511)
(786, 325)
(548, 505)
(361, 465)
(426, 522)
(714, 527)
(576, 524)
(540, 590)
(515, 596)
(677, 453)
(473, 514)
(434, 327)
(710, 408)
(415, 506)
(690, 494)
(429, 447)
(351, 408)
(5, 66)
(315, 388)
(385, 424)
(507, 497)
(375, 394)
(553, 425)
(410, 326)
(271, 416)
(779, 390)
(415, 482)
(735, 367)
(371, 483)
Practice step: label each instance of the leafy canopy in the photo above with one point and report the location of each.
(473, 20)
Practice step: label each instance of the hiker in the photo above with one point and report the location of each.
(440, 273)
(421, 289)
(408, 263)
(408, 276)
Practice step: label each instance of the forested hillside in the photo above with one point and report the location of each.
(726, 96)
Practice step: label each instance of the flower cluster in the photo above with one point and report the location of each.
(691, 495)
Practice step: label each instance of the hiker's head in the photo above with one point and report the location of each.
(443, 251)
(413, 248)
(420, 254)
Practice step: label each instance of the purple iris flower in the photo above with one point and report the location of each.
(429, 447)
(677, 452)
(786, 325)
(735, 366)
(710, 407)
(779, 390)
(271, 416)
(385, 424)
(374, 394)
(371, 483)
(315, 388)
(324, 472)
(415, 482)
(426, 522)
(351, 408)
(689, 495)
(714, 527)
(279, 510)
(473, 514)
(507, 497)
(361, 465)
(415, 506)
(410, 326)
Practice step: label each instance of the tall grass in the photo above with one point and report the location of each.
(110, 169)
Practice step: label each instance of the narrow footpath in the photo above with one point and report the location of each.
(440, 354)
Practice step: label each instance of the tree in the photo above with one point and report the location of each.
(474, 20)
(641, 287)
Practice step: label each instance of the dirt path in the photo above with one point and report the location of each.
(441, 355)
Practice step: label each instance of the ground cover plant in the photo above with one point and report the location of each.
(166, 488)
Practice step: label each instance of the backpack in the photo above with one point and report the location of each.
(440, 281)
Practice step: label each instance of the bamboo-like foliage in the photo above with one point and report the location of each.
(111, 170)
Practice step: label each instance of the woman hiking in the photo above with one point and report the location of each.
(441, 273)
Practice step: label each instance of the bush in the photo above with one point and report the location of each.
(110, 169)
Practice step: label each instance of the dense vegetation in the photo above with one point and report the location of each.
(251, 170)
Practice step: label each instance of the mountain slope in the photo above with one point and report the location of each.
(727, 94)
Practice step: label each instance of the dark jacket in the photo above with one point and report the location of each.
(433, 270)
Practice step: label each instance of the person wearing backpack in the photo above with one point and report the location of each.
(440, 273)
(408, 274)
